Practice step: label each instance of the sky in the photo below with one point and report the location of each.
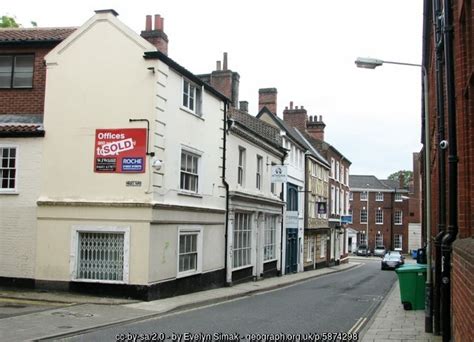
(304, 48)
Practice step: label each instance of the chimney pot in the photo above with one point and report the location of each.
(296, 107)
(291, 104)
(225, 61)
(286, 107)
(302, 107)
(148, 23)
(157, 22)
(321, 118)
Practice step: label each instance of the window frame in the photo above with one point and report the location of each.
(398, 238)
(247, 240)
(198, 155)
(378, 215)
(241, 166)
(398, 197)
(189, 230)
(400, 221)
(16, 168)
(271, 242)
(379, 196)
(364, 198)
(259, 173)
(362, 211)
(13, 57)
(379, 238)
(191, 90)
(74, 249)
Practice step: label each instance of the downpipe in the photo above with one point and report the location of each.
(448, 239)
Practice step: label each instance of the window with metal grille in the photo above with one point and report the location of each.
(8, 163)
(241, 167)
(189, 171)
(398, 217)
(379, 196)
(269, 249)
(100, 256)
(397, 241)
(242, 240)
(379, 216)
(259, 172)
(188, 252)
(363, 215)
(16, 71)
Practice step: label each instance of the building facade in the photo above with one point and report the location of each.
(379, 210)
(448, 59)
(137, 203)
(22, 90)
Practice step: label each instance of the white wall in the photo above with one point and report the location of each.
(18, 211)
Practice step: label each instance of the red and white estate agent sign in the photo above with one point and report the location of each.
(121, 150)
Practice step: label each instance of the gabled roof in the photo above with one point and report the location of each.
(366, 182)
(34, 35)
(283, 126)
(263, 129)
(313, 151)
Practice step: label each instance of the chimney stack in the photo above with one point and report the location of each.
(296, 117)
(315, 127)
(156, 35)
(267, 97)
(244, 106)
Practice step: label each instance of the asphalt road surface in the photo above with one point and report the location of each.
(339, 302)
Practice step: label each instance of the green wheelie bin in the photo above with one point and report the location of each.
(412, 279)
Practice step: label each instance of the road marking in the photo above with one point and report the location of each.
(358, 325)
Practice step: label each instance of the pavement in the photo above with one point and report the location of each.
(61, 314)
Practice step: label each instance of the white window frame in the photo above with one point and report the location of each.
(379, 196)
(366, 215)
(379, 239)
(362, 239)
(398, 242)
(14, 190)
(379, 216)
(323, 246)
(342, 174)
(191, 93)
(364, 196)
(342, 199)
(333, 199)
(338, 201)
(309, 249)
(347, 176)
(398, 217)
(74, 248)
(333, 168)
(337, 172)
(398, 197)
(351, 196)
(259, 173)
(269, 237)
(198, 155)
(241, 166)
(273, 187)
(187, 230)
(350, 213)
(235, 243)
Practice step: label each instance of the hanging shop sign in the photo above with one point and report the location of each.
(121, 150)
(279, 173)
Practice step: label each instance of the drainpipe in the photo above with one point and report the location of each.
(437, 18)
(450, 236)
(226, 185)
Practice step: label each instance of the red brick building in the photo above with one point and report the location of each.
(379, 212)
(448, 57)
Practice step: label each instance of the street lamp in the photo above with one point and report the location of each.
(372, 63)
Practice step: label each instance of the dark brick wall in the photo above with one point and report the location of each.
(31, 100)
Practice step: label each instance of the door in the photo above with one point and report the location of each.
(291, 250)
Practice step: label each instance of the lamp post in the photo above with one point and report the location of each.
(372, 63)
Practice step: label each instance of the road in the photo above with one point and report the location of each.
(339, 302)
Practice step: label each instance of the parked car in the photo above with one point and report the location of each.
(363, 250)
(379, 251)
(401, 255)
(392, 260)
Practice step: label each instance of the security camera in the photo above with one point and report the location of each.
(156, 164)
(443, 144)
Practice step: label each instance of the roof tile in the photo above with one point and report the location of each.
(36, 34)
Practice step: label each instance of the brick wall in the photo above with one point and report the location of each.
(26, 101)
(462, 290)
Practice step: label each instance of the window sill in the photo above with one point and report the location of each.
(270, 260)
(4, 192)
(187, 273)
(99, 281)
(189, 194)
(241, 267)
(184, 109)
(378, 224)
(398, 224)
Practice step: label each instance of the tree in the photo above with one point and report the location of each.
(7, 21)
(407, 174)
